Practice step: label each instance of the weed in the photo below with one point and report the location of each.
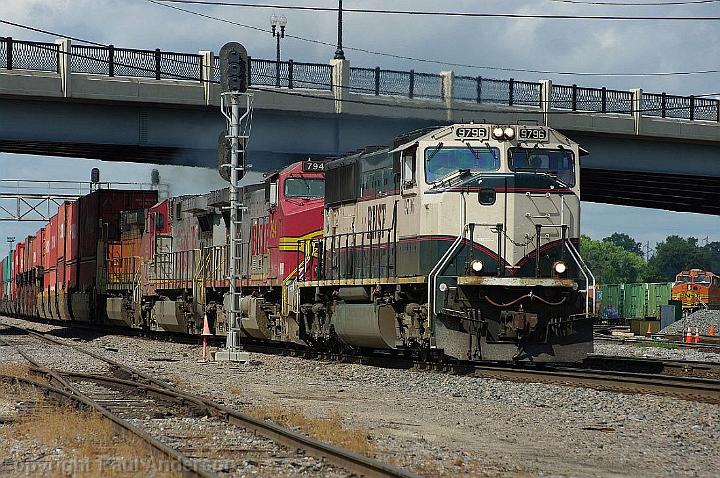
(660, 345)
(89, 445)
(14, 369)
(325, 429)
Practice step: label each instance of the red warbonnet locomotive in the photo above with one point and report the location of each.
(458, 240)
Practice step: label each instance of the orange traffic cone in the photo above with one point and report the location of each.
(205, 334)
(712, 330)
(697, 335)
(688, 336)
(649, 330)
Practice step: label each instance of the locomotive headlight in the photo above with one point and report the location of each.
(509, 133)
(476, 266)
(559, 267)
(498, 133)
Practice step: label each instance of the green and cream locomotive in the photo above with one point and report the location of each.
(459, 240)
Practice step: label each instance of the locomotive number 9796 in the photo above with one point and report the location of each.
(533, 134)
(471, 133)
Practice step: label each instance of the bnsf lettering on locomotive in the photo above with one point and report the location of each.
(376, 221)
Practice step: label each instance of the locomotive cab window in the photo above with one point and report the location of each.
(558, 162)
(443, 161)
(159, 221)
(273, 194)
(300, 187)
(408, 169)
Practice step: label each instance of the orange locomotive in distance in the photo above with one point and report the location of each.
(697, 289)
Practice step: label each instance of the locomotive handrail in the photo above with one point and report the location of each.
(440, 265)
(386, 240)
(575, 254)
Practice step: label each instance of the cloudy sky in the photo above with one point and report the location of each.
(556, 45)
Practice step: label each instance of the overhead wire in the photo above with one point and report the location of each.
(441, 62)
(638, 4)
(537, 16)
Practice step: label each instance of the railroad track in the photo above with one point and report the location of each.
(686, 388)
(680, 368)
(141, 405)
(626, 375)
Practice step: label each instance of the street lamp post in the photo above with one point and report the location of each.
(274, 22)
(339, 53)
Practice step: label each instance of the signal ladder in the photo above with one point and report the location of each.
(237, 109)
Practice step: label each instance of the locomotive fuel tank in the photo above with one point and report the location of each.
(366, 325)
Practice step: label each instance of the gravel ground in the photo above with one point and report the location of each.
(615, 349)
(443, 425)
(228, 451)
(701, 319)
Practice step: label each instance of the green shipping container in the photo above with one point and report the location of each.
(658, 294)
(634, 301)
(610, 301)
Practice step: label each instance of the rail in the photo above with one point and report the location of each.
(354, 255)
(350, 461)
(587, 273)
(175, 270)
(163, 65)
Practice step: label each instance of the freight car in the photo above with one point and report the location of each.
(622, 302)
(697, 289)
(59, 272)
(458, 241)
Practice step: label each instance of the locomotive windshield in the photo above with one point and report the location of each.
(440, 162)
(559, 162)
(299, 187)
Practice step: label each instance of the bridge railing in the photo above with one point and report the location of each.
(682, 107)
(504, 92)
(29, 55)
(156, 64)
(444, 87)
(596, 100)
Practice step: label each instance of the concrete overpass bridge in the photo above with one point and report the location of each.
(114, 104)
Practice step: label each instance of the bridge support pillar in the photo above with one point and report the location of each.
(340, 82)
(64, 68)
(448, 80)
(206, 75)
(545, 100)
(637, 106)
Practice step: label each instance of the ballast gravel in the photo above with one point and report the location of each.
(645, 350)
(702, 319)
(444, 425)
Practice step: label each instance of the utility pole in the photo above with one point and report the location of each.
(339, 53)
(236, 106)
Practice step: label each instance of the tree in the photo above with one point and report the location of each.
(711, 251)
(626, 242)
(676, 254)
(612, 264)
